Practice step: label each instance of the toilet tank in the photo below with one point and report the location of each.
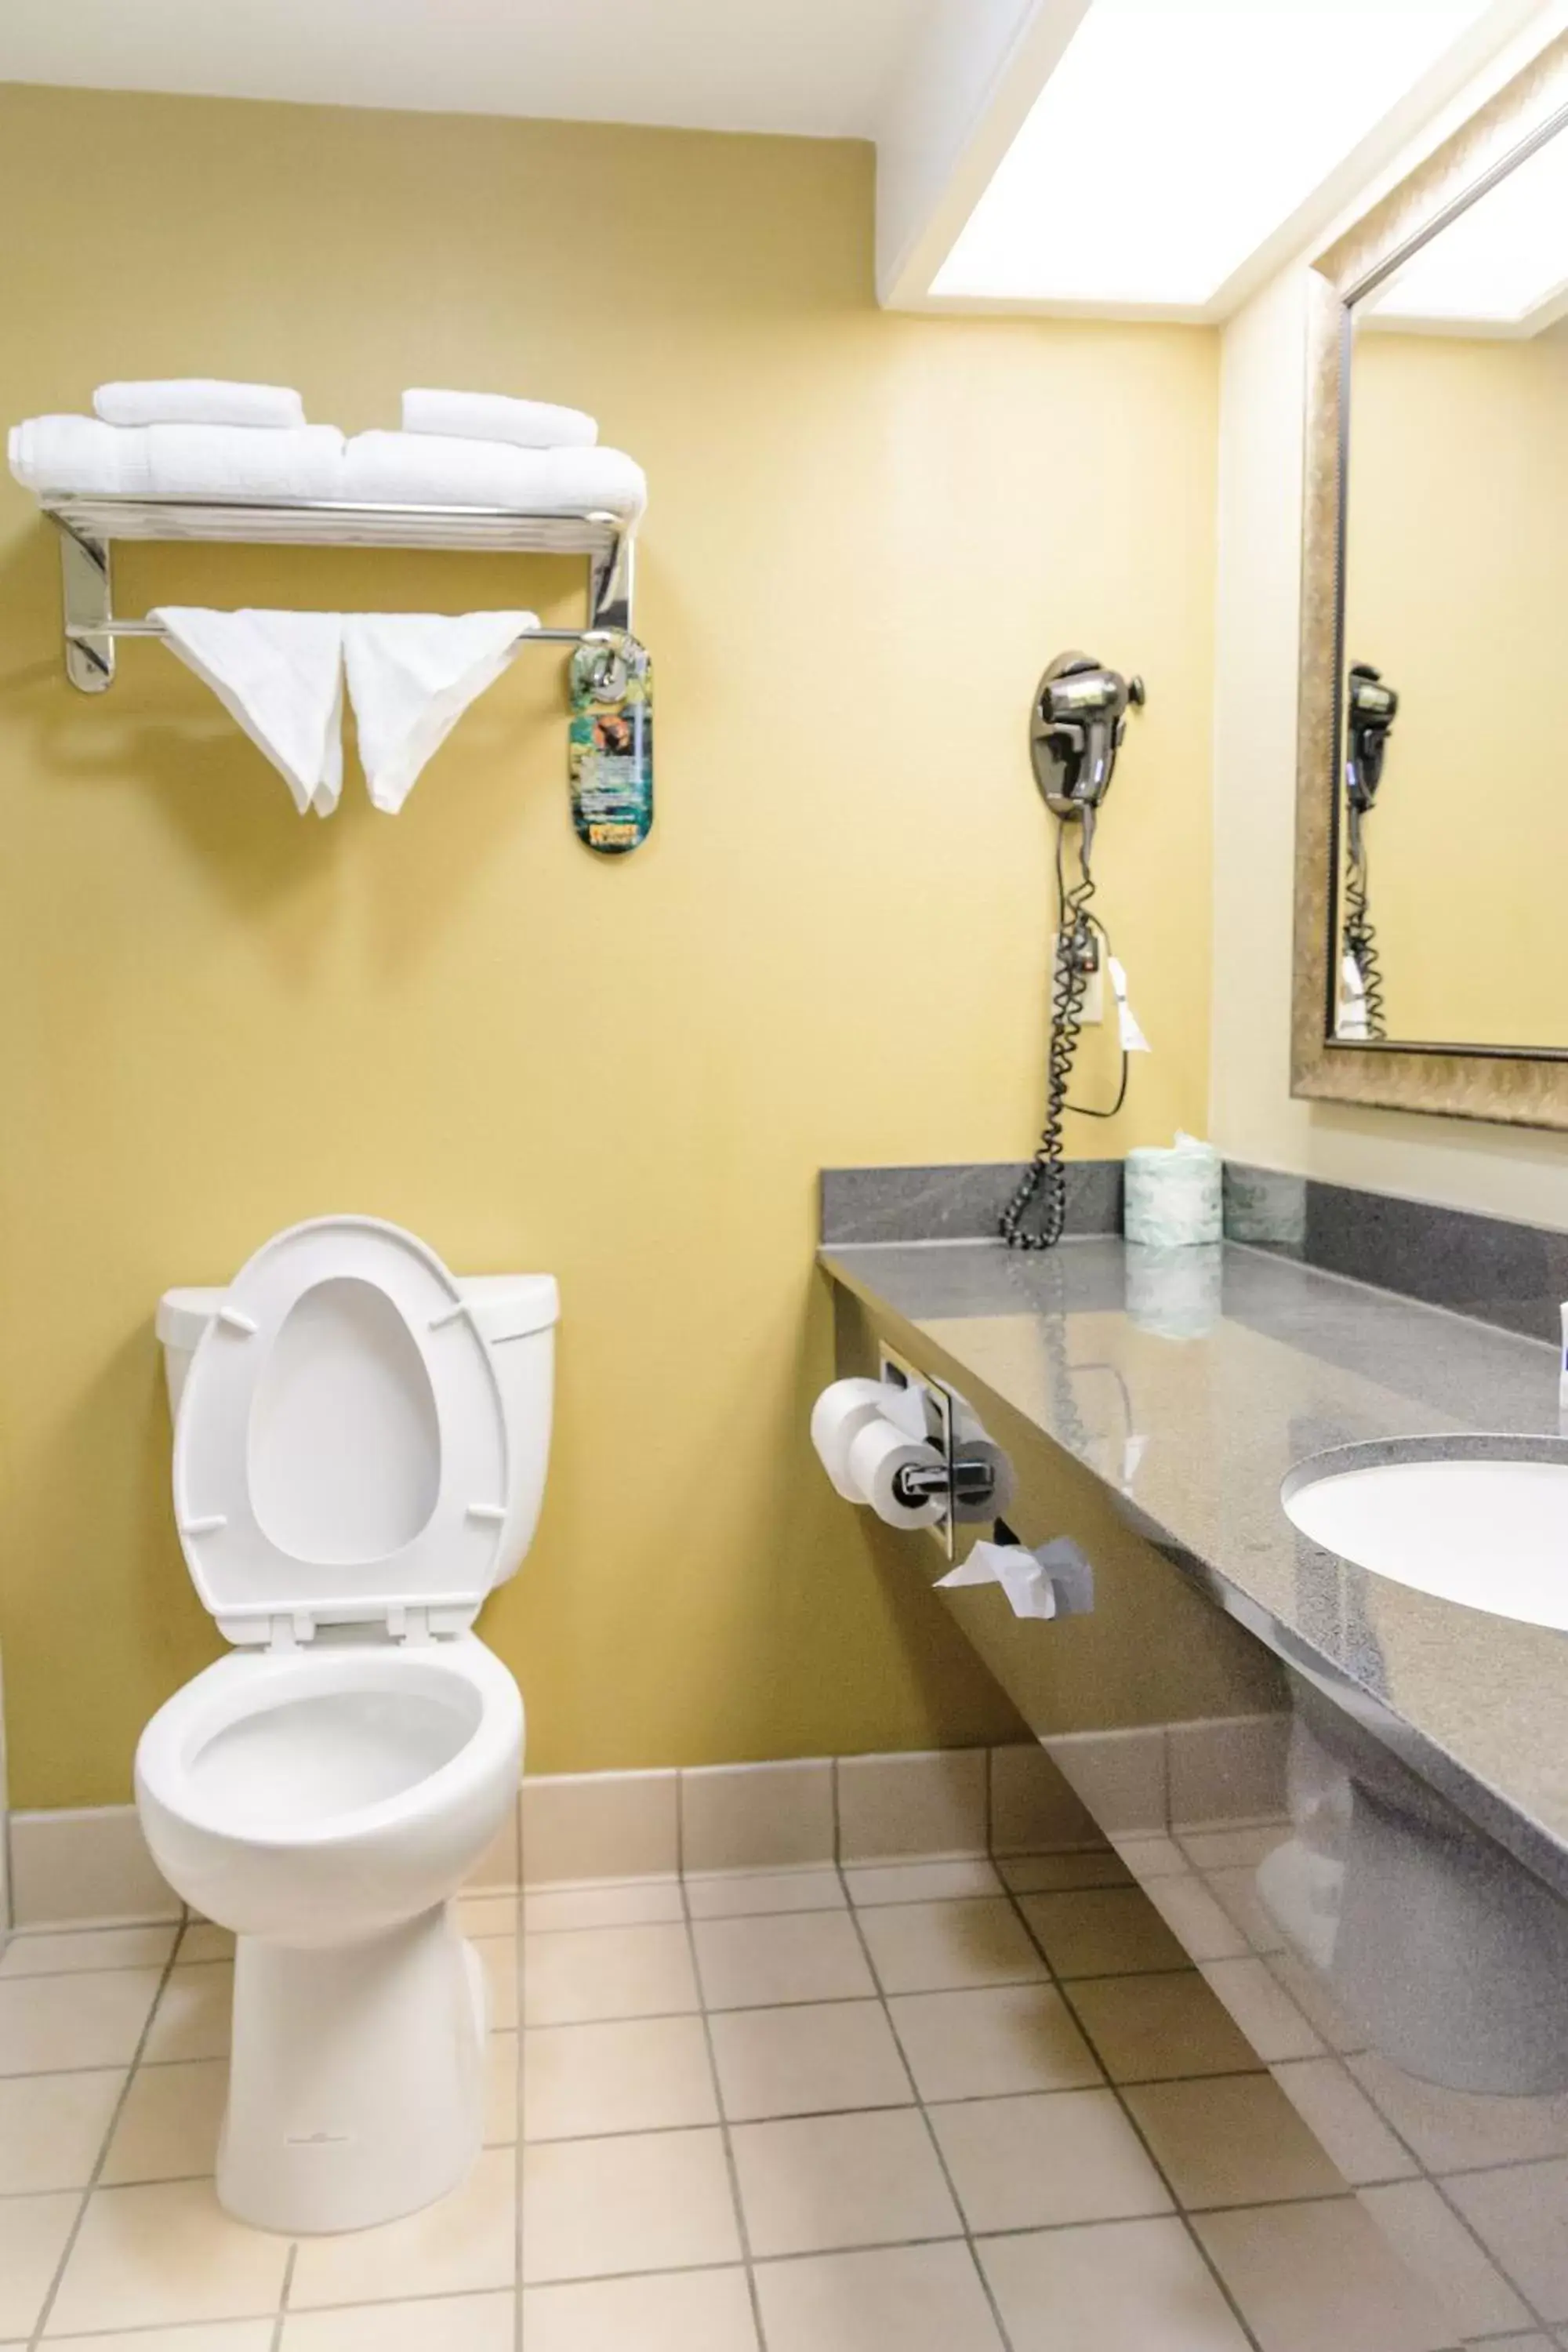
(515, 1313)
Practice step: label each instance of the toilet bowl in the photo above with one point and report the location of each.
(359, 1458)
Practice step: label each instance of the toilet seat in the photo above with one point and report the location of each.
(420, 1770)
(340, 1445)
(255, 1800)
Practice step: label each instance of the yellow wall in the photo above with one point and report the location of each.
(1458, 590)
(1466, 1164)
(867, 535)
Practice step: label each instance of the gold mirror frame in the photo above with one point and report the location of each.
(1526, 1088)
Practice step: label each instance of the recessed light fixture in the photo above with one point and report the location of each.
(1501, 269)
(1171, 142)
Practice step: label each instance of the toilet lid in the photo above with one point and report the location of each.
(341, 1448)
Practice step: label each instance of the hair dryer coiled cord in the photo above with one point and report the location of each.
(1361, 946)
(1046, 1175)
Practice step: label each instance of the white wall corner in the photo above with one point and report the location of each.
(956, 105)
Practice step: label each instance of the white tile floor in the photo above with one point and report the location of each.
(894, 2109)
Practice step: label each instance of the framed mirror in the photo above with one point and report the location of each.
(1431, 951)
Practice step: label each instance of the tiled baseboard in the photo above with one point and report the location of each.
(69, 1868)
(790, 1815)
(84, 1868)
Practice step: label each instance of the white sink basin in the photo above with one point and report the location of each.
(1481, 1520)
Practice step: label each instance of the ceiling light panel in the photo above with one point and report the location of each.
(1502, 266)
(1172, 140)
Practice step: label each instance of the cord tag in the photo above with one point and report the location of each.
(1133, 1041)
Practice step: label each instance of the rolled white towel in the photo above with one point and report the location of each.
(66, 453)
(61, 455)
(198, 400)
(433, 470)
(494, 417)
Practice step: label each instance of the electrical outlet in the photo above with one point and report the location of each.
(1093, 1011)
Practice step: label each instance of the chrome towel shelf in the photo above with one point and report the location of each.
(89, 526)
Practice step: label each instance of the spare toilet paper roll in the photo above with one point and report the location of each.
(1173, 1198)
(875, 1457)
(838, 1417)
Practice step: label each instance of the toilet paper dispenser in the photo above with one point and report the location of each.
(911, 1449)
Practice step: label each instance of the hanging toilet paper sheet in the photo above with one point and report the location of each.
(1029, 1590)
(1055, 1581)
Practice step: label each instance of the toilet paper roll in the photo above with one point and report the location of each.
(838, 1417)
(998, 1502)
(1173, 1198)
(875, 1457)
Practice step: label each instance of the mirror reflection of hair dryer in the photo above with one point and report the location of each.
(1371, 708)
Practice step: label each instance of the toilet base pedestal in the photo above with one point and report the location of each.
(356, 2087)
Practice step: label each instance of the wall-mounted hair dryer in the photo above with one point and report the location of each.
(1370, 708)
(1076, 722)
(1076, 728)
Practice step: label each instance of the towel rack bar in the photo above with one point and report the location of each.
(88, 632)
(89, 526)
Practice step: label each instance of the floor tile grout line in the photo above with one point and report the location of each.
(1434, 2180)
(1478, 2242)
(784, 1911)
(994, 2309)
(1117, 2091)
(36, 2338)
(731, 2167)
(281, 2320)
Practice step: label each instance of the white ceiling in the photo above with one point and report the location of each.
(947, 89)
(815, 66)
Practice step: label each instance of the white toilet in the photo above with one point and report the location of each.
(360, 1447)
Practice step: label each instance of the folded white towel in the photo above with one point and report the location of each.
(435, 469)
(281, 675)
(198, 400)
(492, 417)
(59, 456)
(411, 678)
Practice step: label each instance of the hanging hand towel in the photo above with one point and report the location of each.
(494, 416)
(411, 678)
(280, 675)
(198, 400)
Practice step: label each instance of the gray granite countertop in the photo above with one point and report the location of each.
(1232, 1365)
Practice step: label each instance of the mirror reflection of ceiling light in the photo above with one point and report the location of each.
(1500, 268)
(1173, 139)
